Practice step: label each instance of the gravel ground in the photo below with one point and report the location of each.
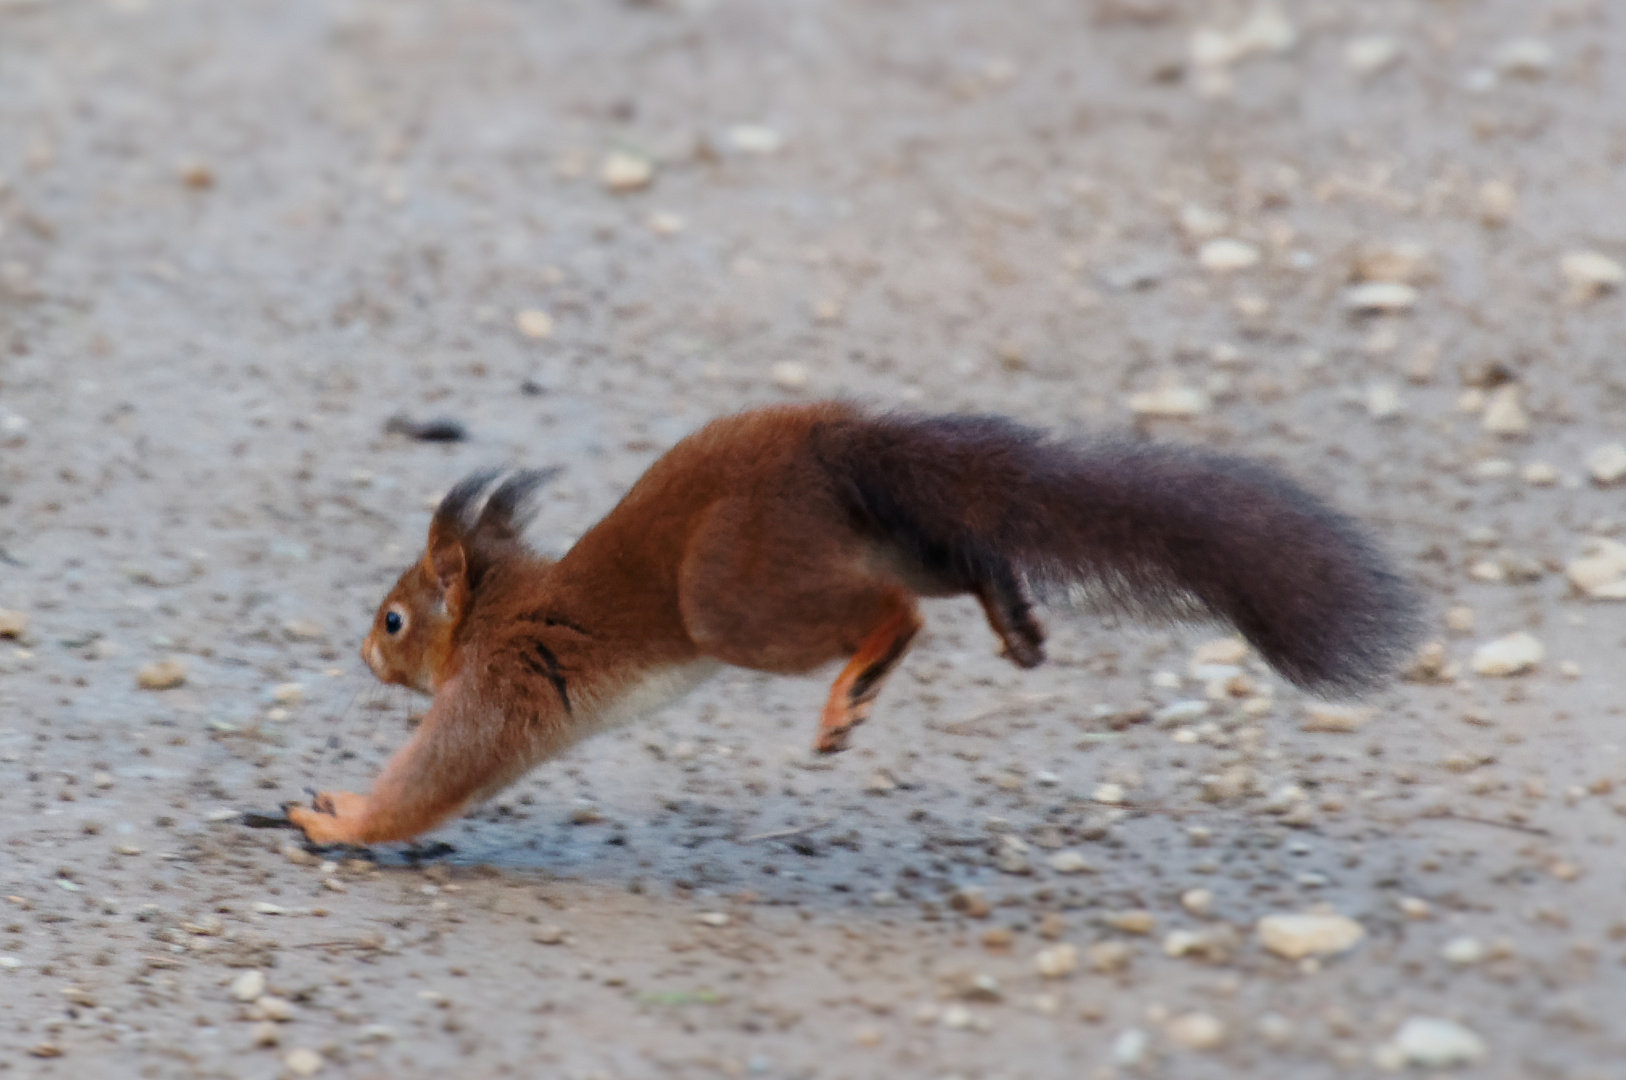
(1378, 243)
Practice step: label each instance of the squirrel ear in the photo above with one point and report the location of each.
(447, 564)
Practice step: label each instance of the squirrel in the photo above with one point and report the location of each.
(786, 537)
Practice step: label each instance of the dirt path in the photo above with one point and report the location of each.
(236, 238)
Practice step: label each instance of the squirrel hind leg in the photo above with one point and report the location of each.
(1010, 614)
(861, 680)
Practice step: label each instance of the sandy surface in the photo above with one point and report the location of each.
(236, 238)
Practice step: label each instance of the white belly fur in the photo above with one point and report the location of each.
(645, 692)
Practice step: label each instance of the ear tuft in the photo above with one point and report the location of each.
(506, 510)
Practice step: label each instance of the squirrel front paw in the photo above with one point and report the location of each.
(334, 817)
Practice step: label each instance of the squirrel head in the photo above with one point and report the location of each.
(415, 631)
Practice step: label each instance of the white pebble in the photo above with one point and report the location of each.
(1109, 794)
(1130, 1048)
(624, 172)
(1498, 202)
(1370, 55)
(1197, 1031)
(1434, 1043)
(1607, 463)
(1504, 414)
(1511, 655)
(303, 1062)
(1383, 401)
(1591, 272)
(1296, 936)
(1600, 573)
(248, 986)
(1380, 296)
(1336, 719)
(1170, 401)
(1070, 862)
(755, 139)
(161, 675)
(1527, 57)
(1057, 961)
(665, 223)
(1224, 255)
(534, 324)
(1463, 951)
(275, 1008)
(1539, 474)
(1201, 223)
(789, 375)
(13, 624)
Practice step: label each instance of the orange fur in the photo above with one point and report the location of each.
(786, 538)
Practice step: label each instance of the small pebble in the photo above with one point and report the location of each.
(1197, 901)
(1196, 1031)
(1275, 1030)
(1131, 1048)
(624, 172)
(665, 223)
(1600, 572)
(275, 1008)
(1367, 56)
(1296, 936)
(1504, 415)
(1173, 402)
(265, 1034)
(1109, 794)
(13, 624)
(1435, 1043)
(248, 986)
(161, 675)
(1109, 957)
(1463, 951)
(1591, 273)
(1135, 921)
(1057, 961)
(1224, 255)
(1400, 262)
(1201, 223)
(1336, 719)
(1607, 464)
(789, 375)
(1511, 655)
(1498, 202)
(1528, 58)
(303, 630)
(288, 693)
(714, 918)
(1383, 401)
(533, 324)
(1070, 862)
(755, 139)
(1539, 474)
(548, 935)
(303, 1062)
(1226, 650)
(1380, 296)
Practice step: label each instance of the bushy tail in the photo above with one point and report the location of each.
(1151, 529)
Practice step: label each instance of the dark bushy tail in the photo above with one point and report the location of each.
(981, 502)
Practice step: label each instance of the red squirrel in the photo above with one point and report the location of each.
(784, 538)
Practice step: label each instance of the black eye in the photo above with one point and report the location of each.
(392, 623)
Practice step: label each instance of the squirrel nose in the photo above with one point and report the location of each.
(371, 656)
